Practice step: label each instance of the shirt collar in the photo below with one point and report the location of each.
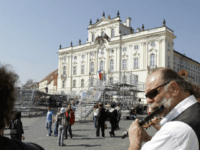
(178, 109)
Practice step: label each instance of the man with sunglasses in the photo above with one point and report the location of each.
(180, 127)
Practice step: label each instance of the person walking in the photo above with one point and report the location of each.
(70, 121)
(16, 127)
(62, 123)
(96, 110)
(113, 119)
(119, 115)
(50, 120)
(56, 123)
(101, 120)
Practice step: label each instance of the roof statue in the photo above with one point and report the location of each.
(164, 22)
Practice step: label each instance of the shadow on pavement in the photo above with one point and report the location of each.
(83, 129)
(86, 145)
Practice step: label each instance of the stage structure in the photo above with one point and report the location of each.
(124, 91)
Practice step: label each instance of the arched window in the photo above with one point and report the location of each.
(101, 65)
(111, 64)
(112, 33)
(64, 70)
(82, 83)
(92, 67)
(152, 60)
(93, 37)
(102, 33)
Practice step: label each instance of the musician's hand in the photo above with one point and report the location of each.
(156, 124)
(137, 134)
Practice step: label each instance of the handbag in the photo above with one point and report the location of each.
(105, 126)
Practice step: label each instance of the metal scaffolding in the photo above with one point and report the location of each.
(124, 91)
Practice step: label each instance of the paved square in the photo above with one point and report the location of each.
(84, 135)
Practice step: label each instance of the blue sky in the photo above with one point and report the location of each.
(32, 30)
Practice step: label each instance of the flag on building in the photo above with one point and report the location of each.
(99, 72)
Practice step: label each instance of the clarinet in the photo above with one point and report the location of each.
(146, 119)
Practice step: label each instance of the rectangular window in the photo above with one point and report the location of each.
(75, 57)
(124, 64)
(82, 83)
(64, 59)
(74, 83)
(74, 70)
(91, 82)
(111, 79)
(92, 67)
(82, 69)
(135, 62)
(124, 49)
(63, 84)
(168, 61)
(136, 47)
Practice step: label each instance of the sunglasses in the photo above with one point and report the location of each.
(151, 94)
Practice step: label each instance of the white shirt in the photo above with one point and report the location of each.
(96, 111)
(174, 135)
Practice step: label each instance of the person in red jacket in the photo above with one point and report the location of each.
(70, 119)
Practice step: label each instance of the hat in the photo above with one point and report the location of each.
(62, 110)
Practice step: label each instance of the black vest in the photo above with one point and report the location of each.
(191, 116)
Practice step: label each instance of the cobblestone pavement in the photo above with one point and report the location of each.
(84, 135)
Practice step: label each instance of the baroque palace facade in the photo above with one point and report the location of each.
(113, 47)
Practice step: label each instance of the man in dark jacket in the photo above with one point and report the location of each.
(113, 119)
(16, 128)
(101, 117)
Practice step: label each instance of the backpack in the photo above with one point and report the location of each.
(64, 120)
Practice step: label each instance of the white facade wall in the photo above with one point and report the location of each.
(157, 42)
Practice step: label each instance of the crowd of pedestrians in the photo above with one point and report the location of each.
(63, 121)
(101, 115)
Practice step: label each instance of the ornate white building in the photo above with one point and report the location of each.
(114, 47)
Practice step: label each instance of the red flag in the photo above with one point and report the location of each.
(100, 75)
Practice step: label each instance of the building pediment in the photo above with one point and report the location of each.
(111, 56)
(124, 56)
(82, 62)
(101, 22)
(136, 54)
(74, 63)
(102, 58)
(152, 50)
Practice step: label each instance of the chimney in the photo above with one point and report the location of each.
(128, 22)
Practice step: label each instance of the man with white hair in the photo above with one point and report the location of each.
(62, 124)
(181, 122)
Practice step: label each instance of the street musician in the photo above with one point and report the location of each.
(180, 126)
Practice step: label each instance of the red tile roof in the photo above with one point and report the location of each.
(50, 76)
